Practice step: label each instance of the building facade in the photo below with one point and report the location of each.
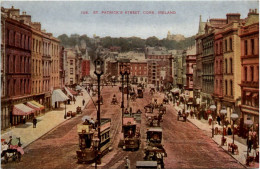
(249, 34)
(18, 36)
(218, 71)
(190, 63)
(232, 65)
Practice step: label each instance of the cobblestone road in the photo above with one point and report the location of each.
(185, 144)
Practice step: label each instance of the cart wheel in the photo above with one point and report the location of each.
(19, 157)
(5, 159)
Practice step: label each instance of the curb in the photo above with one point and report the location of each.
(221, 147)
(52, 128)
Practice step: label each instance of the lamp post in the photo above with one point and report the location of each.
(223, 112)
(96, 141)
(213, 109)
(234, 117)
(127, 73)
(122, 73)
(248, 122)
(65, 115)
(98, 72)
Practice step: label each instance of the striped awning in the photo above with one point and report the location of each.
(29, 104)
(22, 110)
(58, 96)
(37, 104)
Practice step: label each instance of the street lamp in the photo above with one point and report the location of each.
(122, 73)
(98, 72)
(213, 109)
(65, 115)
(234, 117)
(127, 73)
(96, 141)
(223, 112)
(248, 122)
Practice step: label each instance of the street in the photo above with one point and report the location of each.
(185, 144)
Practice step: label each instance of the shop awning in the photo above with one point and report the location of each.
(22, 110)
(29, 104)
(255, 95)
(68, 92)
(175, 90)
(37, 104)
(248, 93)
(58, 96)
(78, 87)
(71, 91)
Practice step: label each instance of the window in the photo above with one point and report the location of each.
(231, 67)
(226, 65)
(245, 73)
(226, 86)
(225, 45)
(252, 73)
(231, 88)
(71, 62)
(220, 50)
(71, 70)
(71, 80)
(252, 46)
(245, 47)
(230, 43)
(216, 48)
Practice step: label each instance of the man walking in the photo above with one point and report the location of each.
(34, 122)
(83, 102)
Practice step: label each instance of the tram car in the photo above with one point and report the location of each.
(86, 132)
(154, 150)
(140, 92)
(131, 134)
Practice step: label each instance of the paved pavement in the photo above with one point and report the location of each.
(47, 122)
(242, 148)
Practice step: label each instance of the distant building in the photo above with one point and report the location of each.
(177, 37)
(159, 66)
(190, 63)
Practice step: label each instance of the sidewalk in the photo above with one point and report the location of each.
(47, 122)
(242, 148)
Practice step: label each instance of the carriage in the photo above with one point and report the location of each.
(140, 92)
(154, 150)
(14, 150)
(131, 134)
(149, 108)
(181, 115)
(79, 110)
(86, 132)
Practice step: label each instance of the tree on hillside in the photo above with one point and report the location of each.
(152, 41)
(64, 39)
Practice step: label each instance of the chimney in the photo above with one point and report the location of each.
(25, 17)
(233, 17)
(252, 12)
(36, 25)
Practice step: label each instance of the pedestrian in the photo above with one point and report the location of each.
(127, 163)
(83, 102)
(249, 142)
(218, 119)
(34, 122)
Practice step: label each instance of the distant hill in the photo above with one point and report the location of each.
(127, 44)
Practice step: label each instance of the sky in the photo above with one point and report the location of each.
(59, 17)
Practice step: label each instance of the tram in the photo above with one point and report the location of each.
(131, 134)
(154, 150)
(86, 132)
